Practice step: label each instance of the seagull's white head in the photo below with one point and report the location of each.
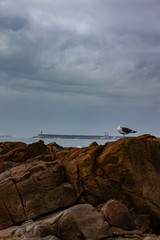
(119, 126)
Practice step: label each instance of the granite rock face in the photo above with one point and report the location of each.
(91, 193)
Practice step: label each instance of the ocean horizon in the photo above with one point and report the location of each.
(60, 141)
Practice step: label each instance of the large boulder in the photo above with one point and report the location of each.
(117, 214)
(31, 190)
(82, 221)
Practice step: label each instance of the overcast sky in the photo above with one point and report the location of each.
(79, 67)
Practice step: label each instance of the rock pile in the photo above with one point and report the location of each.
(92, 193)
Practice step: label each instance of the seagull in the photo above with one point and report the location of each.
(125, 130)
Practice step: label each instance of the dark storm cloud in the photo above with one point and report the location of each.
(81, 53)
(12, 23)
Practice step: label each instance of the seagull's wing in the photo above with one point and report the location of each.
(126, 130)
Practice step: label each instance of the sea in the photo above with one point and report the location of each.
(60, 141)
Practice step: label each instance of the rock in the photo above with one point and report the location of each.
(31, 190)
(42, 230)
(6, 147)
(25, 152)
(141, 222)
(37, 238)
(82, 221)
(2, 166)
(8, 233)
(9, 164)
(11, 206)
(34, 230)
(153, 237)
(51, 178)
(57, 151)
(116, 171)
(118, 233)
(80, 168)
(149, 238)
(53, 147)
(117, 214)
(133, 166)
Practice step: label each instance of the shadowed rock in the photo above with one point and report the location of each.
(6, 147)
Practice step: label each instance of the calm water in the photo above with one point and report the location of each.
(61, 142)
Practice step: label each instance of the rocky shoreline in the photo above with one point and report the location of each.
(98, 192)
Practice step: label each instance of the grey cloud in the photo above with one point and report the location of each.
(88, 53)
(12, 23)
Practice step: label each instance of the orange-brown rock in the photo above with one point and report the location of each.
(53, 147)
(50, 178)
(5, 147)
(133, 165)
(127, 169)
(24, 152)
(28, 191)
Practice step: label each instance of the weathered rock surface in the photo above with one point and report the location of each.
(6, 147)
(28, 191)
(115, 190)
(82, 221)
(20, 153)
(114, 208)
(127, 169)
